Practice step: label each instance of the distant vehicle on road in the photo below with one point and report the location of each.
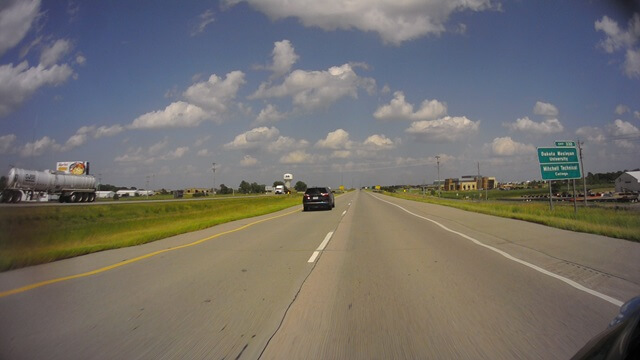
(279, 190)
(318, 197)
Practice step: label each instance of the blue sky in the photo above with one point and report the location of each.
(360, 94)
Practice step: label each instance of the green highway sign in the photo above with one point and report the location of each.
(566, 143)
(553, 155)
(560, 171)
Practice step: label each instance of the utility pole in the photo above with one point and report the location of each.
(146, 190)
(438, 161)
(213, 168)
(479, 180)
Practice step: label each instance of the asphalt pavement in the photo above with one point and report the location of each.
(375, 278)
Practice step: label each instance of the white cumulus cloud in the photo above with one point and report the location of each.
(505, 146)
(107, 131)
(618, 39)
(548, 126)
(177, 114)
(285, 143)
(248, 161)
(39, 147)
(52, 54)
(16, 18)
(253, 139)
(284, 56)
(447, 129)
(591, 134)
(298, 157)
(338, 139)
(18, 83)
(204, 19)
(215, 94)
(314, 89)
(378, 142)
(399, 109)
(395, 21)
(7, 143)
(545, 109)
(270, 114)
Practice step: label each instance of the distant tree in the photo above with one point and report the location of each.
(300, 186)
(276, 183)
(108, 187)
(225, 190)
(257, 189)
(245, 187)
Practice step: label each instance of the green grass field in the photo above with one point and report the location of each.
(613, 221)
(35, 235)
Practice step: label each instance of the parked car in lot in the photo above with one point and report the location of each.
(318, 197)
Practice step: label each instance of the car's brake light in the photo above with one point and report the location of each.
(325, 194)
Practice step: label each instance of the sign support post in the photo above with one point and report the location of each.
(550, 197)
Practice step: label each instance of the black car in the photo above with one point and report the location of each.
(318, 197)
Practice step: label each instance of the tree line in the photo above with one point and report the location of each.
(255, 188)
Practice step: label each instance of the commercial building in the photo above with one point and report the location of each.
(192, 191)
(628, 182)
(105, 194)
(469, 183)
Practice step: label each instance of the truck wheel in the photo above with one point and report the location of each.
(92, 197)
(17, 196)
(84, 197)
(74, 198)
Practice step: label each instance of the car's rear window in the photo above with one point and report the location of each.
(312, 191)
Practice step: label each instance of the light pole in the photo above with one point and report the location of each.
(213, 168)
(438, 161)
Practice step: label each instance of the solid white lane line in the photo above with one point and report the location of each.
(323, 244)
(313, 257)
(537, 268)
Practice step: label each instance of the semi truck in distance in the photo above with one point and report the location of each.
(23, 185)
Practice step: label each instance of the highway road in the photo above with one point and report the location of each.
(376, 278)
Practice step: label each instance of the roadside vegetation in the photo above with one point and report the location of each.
(36, 235)
(614, 221)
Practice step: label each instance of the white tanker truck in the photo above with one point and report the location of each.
(29, 184)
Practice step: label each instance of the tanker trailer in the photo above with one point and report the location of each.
(27, 184)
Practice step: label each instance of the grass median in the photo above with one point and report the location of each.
(617, 222)
(41, 234)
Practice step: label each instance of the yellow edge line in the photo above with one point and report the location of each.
(126, 262)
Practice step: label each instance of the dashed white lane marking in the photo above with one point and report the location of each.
(534, 267)
(344, 212)
(323, 244)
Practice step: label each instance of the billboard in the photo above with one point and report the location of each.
(73, 167)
